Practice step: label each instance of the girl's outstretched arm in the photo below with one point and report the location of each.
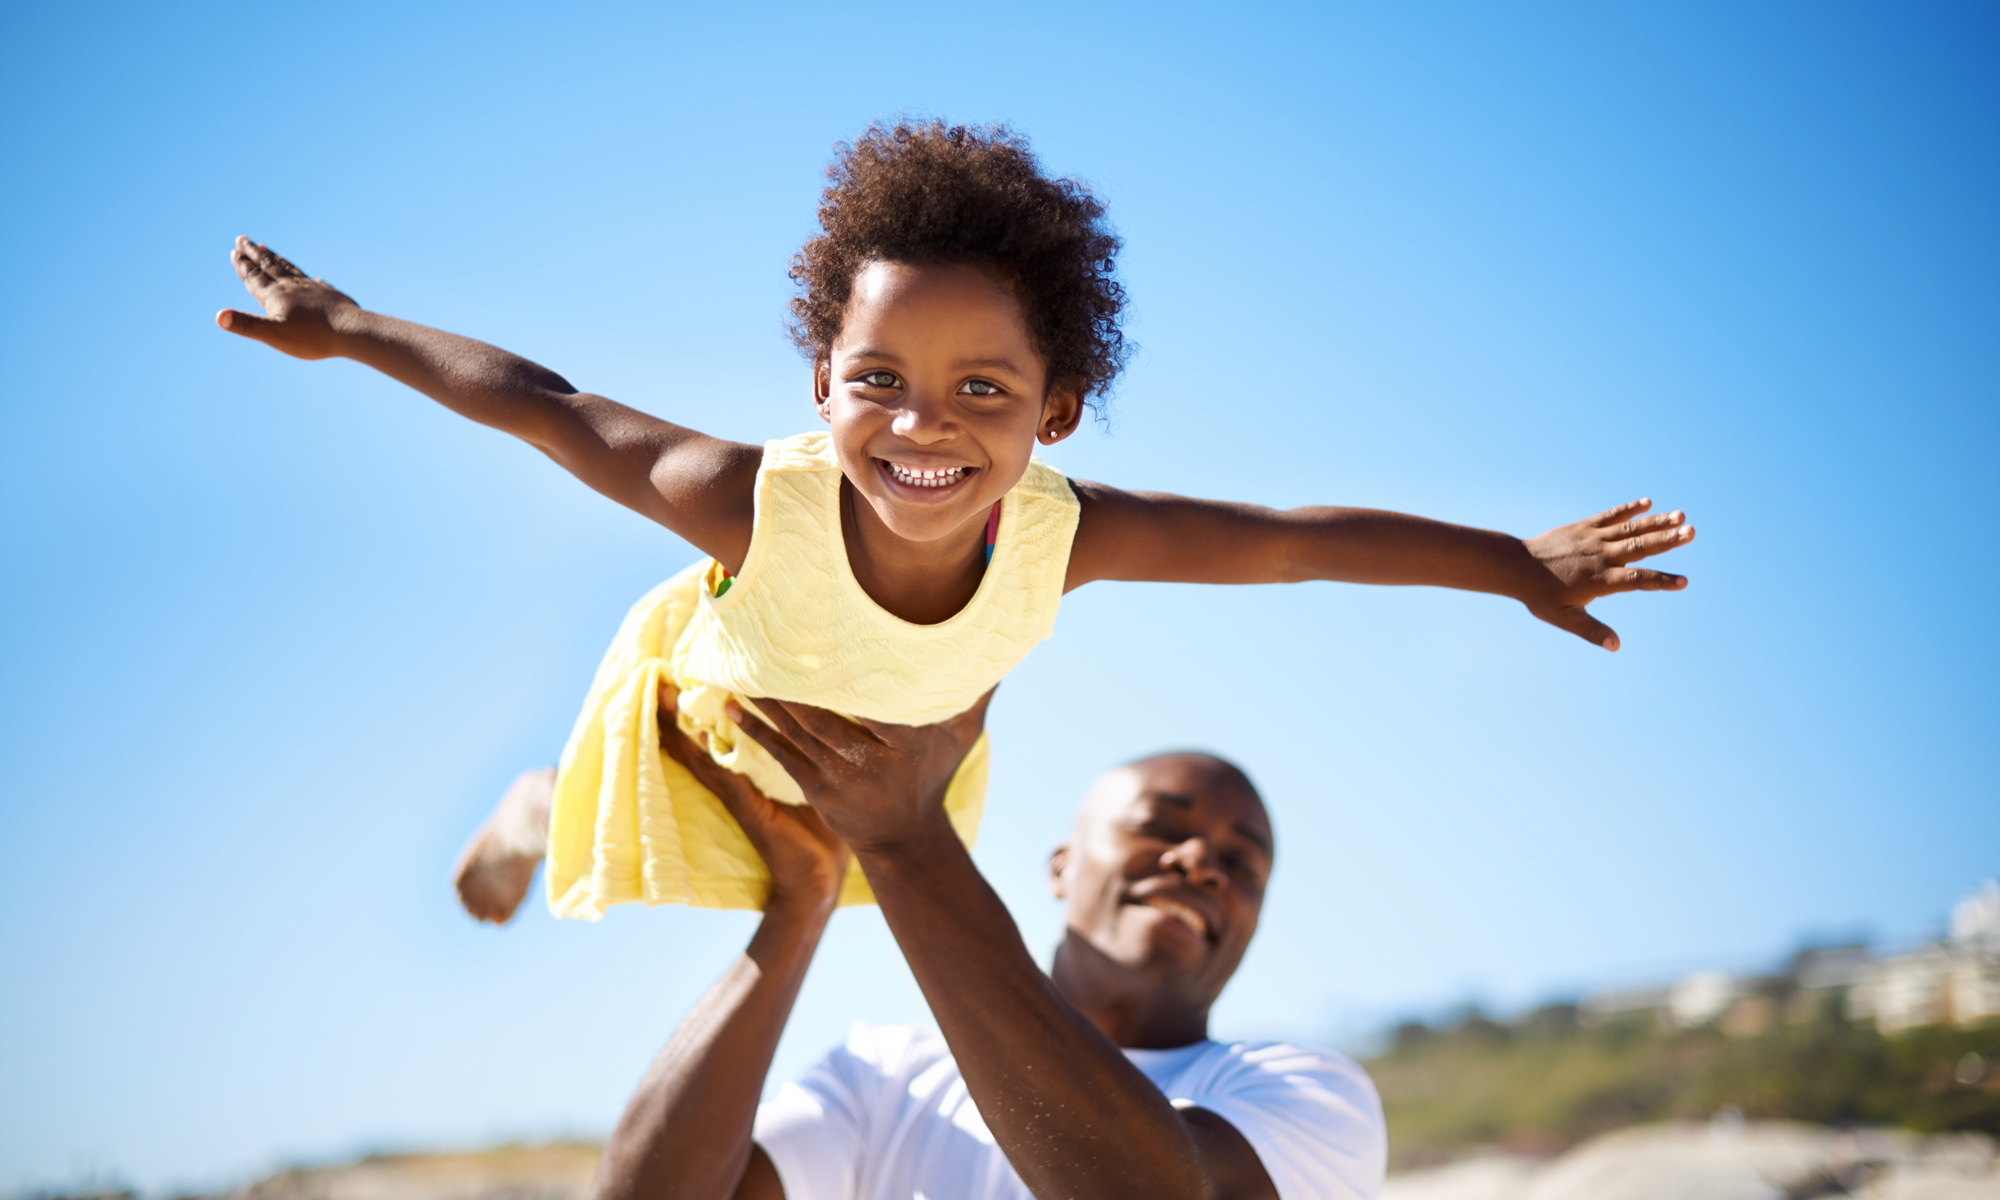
(698, 486)
(1174, 539)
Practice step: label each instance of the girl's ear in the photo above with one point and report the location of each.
(1062, 412)
(1058, 859)
(823, 390)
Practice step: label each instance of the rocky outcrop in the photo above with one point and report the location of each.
(1725, 1161)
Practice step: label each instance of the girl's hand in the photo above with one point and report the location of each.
(1584, 561)
(879, 786)
(807, 863)
(301, 312)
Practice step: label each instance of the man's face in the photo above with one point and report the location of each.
(1164, 874)
(936, 396)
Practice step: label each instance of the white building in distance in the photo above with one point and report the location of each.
(1955, 981)
(1951, 982)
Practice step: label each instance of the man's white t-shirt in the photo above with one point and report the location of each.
(887, 1117)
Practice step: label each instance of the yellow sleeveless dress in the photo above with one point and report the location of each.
(630, 823)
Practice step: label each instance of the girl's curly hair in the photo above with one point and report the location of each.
(924, 192)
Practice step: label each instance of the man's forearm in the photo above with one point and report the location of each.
(1074, 1116)
(686, 1131)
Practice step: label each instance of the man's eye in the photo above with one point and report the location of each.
(980, 387)
(880, 379)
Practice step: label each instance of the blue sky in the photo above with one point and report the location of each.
(277, 633)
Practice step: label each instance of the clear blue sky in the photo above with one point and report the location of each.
(277, 633)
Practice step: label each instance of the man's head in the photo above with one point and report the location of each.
(1163, 878)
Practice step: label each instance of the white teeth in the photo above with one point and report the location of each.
(926, 477)
(1182, 913)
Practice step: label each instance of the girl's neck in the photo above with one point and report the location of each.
(924, 583)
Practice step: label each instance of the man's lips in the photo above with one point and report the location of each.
(1188, 910)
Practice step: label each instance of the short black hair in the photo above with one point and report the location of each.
(923, 192)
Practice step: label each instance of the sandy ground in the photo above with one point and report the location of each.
(556, 1171)
(1725, 1161)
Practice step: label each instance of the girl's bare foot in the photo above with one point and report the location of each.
(498, 865)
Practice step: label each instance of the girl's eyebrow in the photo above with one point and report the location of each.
(872, 352)
(1004, 364)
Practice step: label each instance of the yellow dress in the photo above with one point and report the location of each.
(630, 823)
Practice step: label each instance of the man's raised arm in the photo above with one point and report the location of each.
(686, 1131)
(1075, 1118)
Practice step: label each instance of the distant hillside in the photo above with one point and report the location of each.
(1543, 1083)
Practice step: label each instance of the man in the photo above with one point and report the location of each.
(1095, 1080)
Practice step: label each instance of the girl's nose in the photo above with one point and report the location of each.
(922, 419)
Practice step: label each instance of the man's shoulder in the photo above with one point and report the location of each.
(1311, 1114)
(1278, 1057)
(1257, 1054)
(1289, 1075)
(894, 1050)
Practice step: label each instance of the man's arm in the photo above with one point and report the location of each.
(1175, 539)
(698, 486)
(1074, 1116)
(686, 1131)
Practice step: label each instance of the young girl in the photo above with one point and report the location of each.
(959, 309)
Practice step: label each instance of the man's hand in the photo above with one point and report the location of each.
(301, 312)
(807, 862)
(1592, 558)
(878, 785)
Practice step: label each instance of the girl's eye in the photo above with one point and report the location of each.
(979, 387)
(880, 379)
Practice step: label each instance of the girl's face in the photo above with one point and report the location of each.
(936, 396)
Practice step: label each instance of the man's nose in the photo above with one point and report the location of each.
(1195, 858)
(923, 417)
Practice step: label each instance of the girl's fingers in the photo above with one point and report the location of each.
(1611, 516)
(248, 269)
(275, 265)
(245, 324)
(1649, 524)
(1575, 619)
(1638, 579)
(1633, 549)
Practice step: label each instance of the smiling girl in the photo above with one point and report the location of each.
(959, 309)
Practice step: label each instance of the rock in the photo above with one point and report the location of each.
(1726, 1160)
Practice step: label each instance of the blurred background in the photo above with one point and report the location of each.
(277, 634)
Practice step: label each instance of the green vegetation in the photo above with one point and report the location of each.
(1545, 1082)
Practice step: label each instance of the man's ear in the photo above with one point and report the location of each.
(1058, 859)
(1062, 412)
(823, 390)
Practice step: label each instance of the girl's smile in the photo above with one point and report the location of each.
(929, 481)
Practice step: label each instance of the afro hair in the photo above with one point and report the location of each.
(922, 192)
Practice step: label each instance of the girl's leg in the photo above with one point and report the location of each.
(498, 865)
